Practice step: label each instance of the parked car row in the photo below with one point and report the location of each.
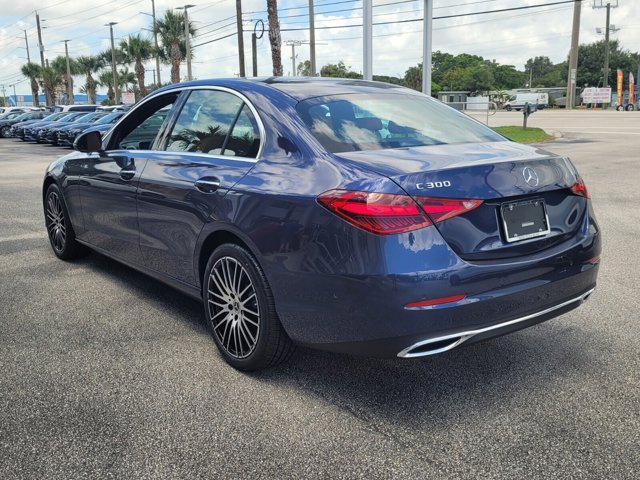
(60, 127)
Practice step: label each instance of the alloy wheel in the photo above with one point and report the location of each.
(55, 222)
(233, 307)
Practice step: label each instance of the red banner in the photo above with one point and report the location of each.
(620, 95)
(632, 98)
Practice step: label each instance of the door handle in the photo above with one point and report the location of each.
(207, 184)
(127, 174)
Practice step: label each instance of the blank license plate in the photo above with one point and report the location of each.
(522, 220)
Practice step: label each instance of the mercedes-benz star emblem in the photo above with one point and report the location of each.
(530, 176)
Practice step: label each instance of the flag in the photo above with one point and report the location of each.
(632, 98)
(620, 95)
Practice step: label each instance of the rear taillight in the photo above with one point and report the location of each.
(385, 213)
(579, 188)
(381, 213)
(440, 209)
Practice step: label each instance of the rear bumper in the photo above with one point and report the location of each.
(359, 307)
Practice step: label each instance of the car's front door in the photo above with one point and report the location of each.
(110, 180)
(214, 142)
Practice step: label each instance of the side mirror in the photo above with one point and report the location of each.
(88, 142)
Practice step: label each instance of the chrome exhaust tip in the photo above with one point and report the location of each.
(433, 346)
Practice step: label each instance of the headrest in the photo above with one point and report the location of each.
(369, 123)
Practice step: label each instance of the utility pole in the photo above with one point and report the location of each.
(15, 97)
(254, 45)
(427, 46)
(573, 57)
(293, 44)
(26, 44)
(114, 70)
(47, 98)
(367, 40)
(69, 80)
(312, 39)
(240, 37)
(40, 44)
(608, 5)
(187, 39)
(155, 41)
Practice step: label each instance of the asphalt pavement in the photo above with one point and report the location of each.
(105, 373)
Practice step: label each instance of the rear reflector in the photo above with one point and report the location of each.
(434, 301)
(385, 213)
(579, 188)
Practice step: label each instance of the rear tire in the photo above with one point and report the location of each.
(508, 108)
(240, 311)
(59, 229)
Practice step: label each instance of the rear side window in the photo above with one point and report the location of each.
(346, 123)
(215, 122)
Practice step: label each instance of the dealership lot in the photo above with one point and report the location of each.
(107, 373)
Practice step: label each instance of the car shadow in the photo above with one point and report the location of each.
(418, 393)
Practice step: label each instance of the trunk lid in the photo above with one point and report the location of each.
(499, 173)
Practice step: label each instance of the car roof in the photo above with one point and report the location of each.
(299, 88)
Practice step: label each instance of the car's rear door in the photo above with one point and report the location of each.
(109, 179)
(213, 142)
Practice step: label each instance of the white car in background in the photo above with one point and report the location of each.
(517, 102)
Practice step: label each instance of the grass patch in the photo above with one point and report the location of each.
(518, 134)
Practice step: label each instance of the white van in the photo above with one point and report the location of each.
(517, 102)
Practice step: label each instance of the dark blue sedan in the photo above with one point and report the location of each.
(344, 215)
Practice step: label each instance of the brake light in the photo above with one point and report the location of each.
(440, 209)
(380, 213)
(579, 188)
(385, 213)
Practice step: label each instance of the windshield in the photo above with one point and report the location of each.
(53, 116)
(87, 117)
(112, 117)
(69, 117)
(345, 123)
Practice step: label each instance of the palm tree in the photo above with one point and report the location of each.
(171, 32)
(126, 79)
(51, 80)
(106, 79)
(32, 71)
(274, 37)
(88, 65)
(138, 49)
(60, 65)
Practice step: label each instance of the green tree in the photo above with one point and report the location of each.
(59, 64)
(139, 50)
(33, 71)
(338, 70)
(591, 63)
(413, 79)
(51, 80)
(170, 29)
(304, 68)
(106, 79)
(88, 65)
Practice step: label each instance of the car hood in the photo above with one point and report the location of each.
(76, 126)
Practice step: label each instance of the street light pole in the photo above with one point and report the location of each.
(187, 39)
(155, 41)
(26, 44)
(427, 46)
(367, 40)
(114, 70)
(240, 38)
(312, 39)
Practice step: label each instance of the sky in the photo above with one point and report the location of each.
(507, 37)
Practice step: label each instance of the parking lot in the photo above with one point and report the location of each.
(106, 373)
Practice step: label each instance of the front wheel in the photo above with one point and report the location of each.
(240, 311)
(508, 108)
(4, 132)
(59, 228)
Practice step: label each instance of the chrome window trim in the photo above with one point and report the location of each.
(242, 97)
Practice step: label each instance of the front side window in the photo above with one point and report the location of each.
(140, 129)
(345, 123)
(215, 122)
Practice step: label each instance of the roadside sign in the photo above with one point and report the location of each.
(128, 98)
(596, 95)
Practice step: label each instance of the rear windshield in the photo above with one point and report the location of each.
(346, 123)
